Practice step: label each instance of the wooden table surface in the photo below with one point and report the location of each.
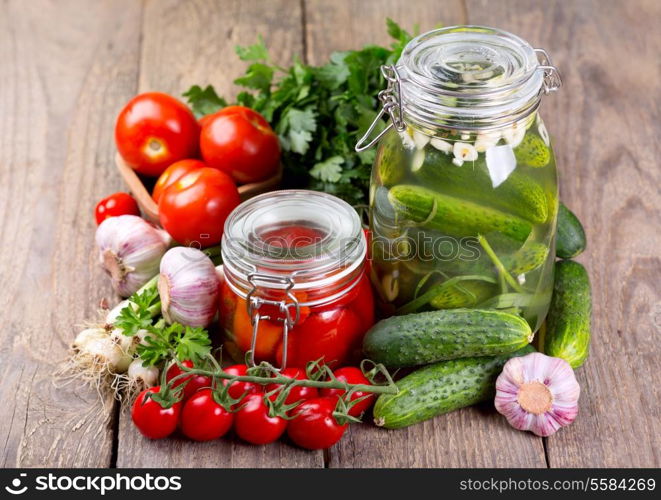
(66, 69)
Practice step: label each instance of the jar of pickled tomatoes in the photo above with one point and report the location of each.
(295, 287)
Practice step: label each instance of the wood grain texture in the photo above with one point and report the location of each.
(350, 24)
(468, 438)
(605, 124)
(172, 62)
(60, 89)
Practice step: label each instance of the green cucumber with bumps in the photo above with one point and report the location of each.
(570, 237)
(518, 195)
(427, 337)
(441, 388)
(567, 332)
(532, 151)
(453, 216)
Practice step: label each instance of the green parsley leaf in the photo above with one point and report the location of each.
(255, 52)
(204, 101)
(329, 170)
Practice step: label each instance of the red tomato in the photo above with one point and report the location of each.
(314, 426)
(114, 205)
(154, 130)
(253, 424)
(240, 141)
(297, 393)
(363, 303)
(237, 389)
(172, 174)
(151, 419)
(327, 334)
(352, 375)
(195, 382)
(203, 419)
(194, 208)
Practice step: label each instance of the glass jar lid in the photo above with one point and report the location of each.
(464, 78)
(311, 238)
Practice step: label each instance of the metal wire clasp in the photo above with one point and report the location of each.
(391, 100)
(552, 78)
(284, 307)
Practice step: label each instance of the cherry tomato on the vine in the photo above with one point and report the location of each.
(238, 389)
(172, 174)
(154, 130)
(114, 205)
(253, 424)
(151, 419)
(193, 209)
(203, 419)
(194, 382)
(352, 375)
(314, 427)
(240, 142)
(298, 393)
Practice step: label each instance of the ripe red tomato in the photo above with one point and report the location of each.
(195, 382)
(327, 334)
(253, 424)
(173, 173)
(203, 419)
(314, 426)
(154, 130)
(237, 389)
(151, 419)
(363, 303)
(241, 142)
(114, 205)
(194, 208)
(352, 375)
(297, 393)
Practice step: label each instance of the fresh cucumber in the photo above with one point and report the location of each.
(532, 151)
(463, 294)
(441, 388)
(567, 333)
(570, 237)
(427, 337)
(453, 216)
(518, 195)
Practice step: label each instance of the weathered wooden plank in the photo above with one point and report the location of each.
(186, 43)
(605, 124)
(469, 438)
(66, 68)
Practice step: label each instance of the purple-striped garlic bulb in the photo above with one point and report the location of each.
(188, 286)
(130, 250)
(537, 393)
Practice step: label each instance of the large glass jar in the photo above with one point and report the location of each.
(464, 198)
(295, 288)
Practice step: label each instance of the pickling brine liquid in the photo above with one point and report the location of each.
(465, 219)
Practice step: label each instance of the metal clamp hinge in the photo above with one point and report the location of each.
(284, 307)
(391, 103)
(552, 78)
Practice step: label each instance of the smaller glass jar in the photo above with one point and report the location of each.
(295, 288)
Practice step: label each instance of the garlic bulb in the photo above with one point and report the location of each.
(188, 286)
(537, 393)
(130, 250)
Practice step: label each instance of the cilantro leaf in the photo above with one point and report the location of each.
(295, 129)
(258, 76)
(136, 315)
(184, 341)
(329, 170)
(204, 101)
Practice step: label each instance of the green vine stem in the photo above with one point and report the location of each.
(499, 265)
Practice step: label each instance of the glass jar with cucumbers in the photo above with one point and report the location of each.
(464, 197)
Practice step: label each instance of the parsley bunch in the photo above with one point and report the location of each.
(162, 341)
(318, 112)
